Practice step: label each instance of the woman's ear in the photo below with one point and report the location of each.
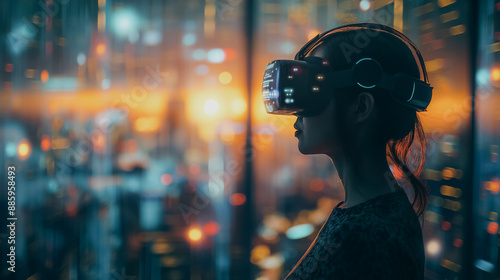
(363, 107)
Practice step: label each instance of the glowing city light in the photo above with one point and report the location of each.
(195, 234)
(433, 247)
(482, 77)
(495, 74)
(100, 49)
(211, 228)
(364, 5)
(44, 76)
(45, 143)
(211, 107)
(299, 231)
(81, 59)
(225, 78)
(125, 22)
(216, 55)
(24, 149)
(238, 199)
(238, 106)
(492, 228)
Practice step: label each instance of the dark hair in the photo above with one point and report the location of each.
(398, 125)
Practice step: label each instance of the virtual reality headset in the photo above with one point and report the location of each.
(304, 86)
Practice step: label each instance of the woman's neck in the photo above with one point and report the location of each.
(365, 176)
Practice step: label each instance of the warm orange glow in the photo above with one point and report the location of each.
(259, 253)
(8, 67)
(238, 199)
(492, 228)
(312, 34)
(211, 107)
(239, 106)
(494, 186)
(448, 173)
(166, 179)
(195, 234)
(230, 53)
(101, 21)
(60, 143)
(44, 76)
(45, 144)
(144, 124)
(495, 74)
(207, 132)
(317, 185)
(100, 49)
(211, 228)
(89, 102)
(227, 133)
(259, 112)
(24, 149)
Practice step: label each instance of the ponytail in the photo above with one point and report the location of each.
(399, 152)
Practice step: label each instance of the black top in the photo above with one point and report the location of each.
(380, 238)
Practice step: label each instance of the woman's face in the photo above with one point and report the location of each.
(318, 134)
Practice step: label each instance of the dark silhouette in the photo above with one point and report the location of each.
(375, 233)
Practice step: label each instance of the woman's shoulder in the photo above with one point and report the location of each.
(389, 217)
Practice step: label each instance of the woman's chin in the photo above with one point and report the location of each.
(304, 149)
(308, 149)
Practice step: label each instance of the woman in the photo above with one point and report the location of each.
(375, 232)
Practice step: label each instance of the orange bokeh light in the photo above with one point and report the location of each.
(100, 49)
(495, 74)
(194, 234)
(230, 53)
(238, 199)
(494, 186)
(211, 228)
(44, 76)
(24, 149)
(492, 228)
(45, 144)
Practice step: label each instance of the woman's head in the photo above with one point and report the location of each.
(360, 118)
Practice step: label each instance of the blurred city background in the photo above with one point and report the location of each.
(142, 149)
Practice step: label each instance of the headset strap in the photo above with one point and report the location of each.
(374, 26)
